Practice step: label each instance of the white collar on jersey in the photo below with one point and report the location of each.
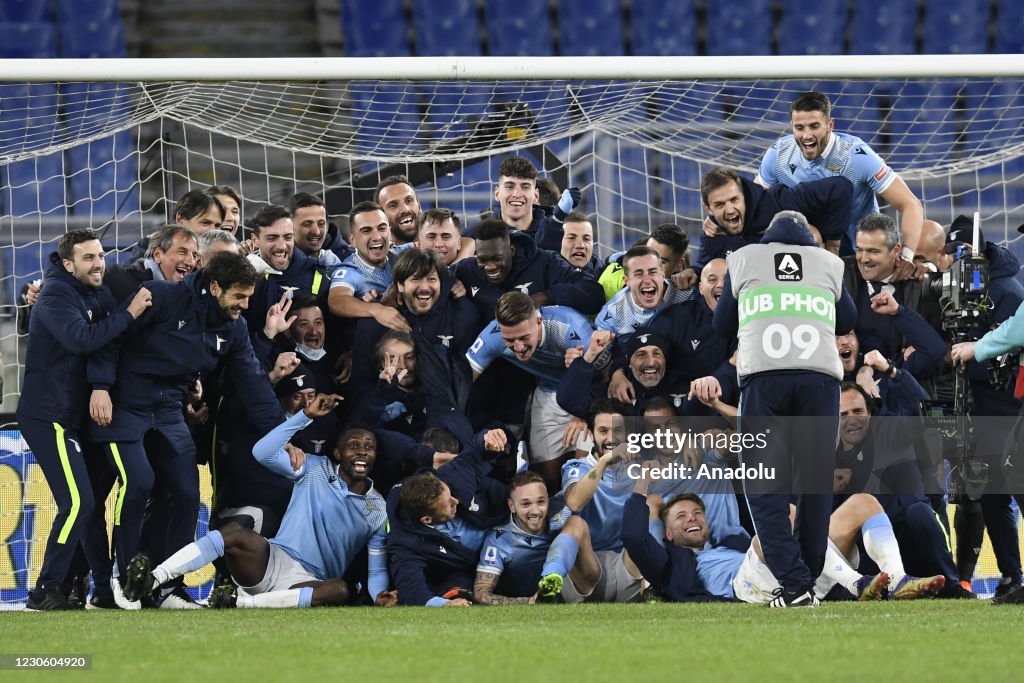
(830, 146)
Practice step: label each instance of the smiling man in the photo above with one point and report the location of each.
(536, 341)
(317, 238)
(333, 514)
(140, 385)
(171, 254)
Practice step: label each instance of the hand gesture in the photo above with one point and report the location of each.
(711, 228)
(32, 293)
(866, 380)
(142, 300)
(391, 373)
(907, 270)
(246, 247)
(322, 405)
(707, 390)
(599, 341)
(572, 353)
(876, 361)
(371, 297)
(283, 366)
(884, 303)
(573, 431)
(496, 441)
(277, 317)
(685, 279)
(458, 290)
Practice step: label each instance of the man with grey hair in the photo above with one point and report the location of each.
(171, 254)
(214, 242)
(870, 272)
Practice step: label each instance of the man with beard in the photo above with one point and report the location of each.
(815, 150)
(739, 210)
(333, 514)
(358, 284)
(578, 244)
(285, 270)
(441, 326)
(648, 292)
(536, 340)
(397, 198)
(193, 330)
(595, 488)
(75, 316)
(513, 555)
(314, 236)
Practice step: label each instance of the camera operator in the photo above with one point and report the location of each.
(992, 399)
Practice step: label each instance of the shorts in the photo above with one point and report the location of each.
(282, 573)
(615, 584)
(754, 582)
(547, 426)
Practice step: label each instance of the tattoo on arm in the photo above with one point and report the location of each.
(592, 475)
(483, 589)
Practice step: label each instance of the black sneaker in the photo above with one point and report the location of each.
(223, 597)
(1002, 589)
(49, 601)
(140, 579)
(79, 592)
(102, 602)
(1014, 596)
(953, 590)
(802, 598)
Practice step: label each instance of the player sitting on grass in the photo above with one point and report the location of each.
(513, 554)
(688, 568)
(589, 550)
(333, 513)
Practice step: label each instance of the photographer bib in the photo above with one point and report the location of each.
(787, 297)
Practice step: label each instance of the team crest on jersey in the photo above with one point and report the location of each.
(299, 379)
(788, 267)
(677, 399)
(317, 444)
(289, 291)
(446, 339)
(219, 341)
(524, 288)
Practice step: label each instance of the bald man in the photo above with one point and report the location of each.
(930, 254)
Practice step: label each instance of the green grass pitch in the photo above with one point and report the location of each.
(906, 642)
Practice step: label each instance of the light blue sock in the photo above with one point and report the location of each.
(305, 597)
(190, 558)
(561, 555)
(880, 543)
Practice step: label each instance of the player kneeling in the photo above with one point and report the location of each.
(334, 512)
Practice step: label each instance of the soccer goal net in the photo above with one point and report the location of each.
(111, 145)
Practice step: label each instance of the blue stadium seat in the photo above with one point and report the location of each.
(103, 179)
(387, 116)
(740, 28)
(91, 107)
(663, 28)
(632, 180)
(959, 27)
(590, 28)
(451, 107)
(922, 124)
(812, 27)
(883, 28)
(28, 117)
(88, 10)
(29, 40)
(92, 39)
(1010, 28)
(991, 102)
(446, 27)
(856, 111)
(521, 28)
(20, 11)
(375, 28)
(34, 186)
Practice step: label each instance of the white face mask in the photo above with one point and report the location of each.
(310, 354)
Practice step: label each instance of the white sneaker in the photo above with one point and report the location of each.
(179, 599)
(120, 600)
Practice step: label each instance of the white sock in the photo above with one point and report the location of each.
(191, 557)
(837, 569)
(293, 597)
(880, 542)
